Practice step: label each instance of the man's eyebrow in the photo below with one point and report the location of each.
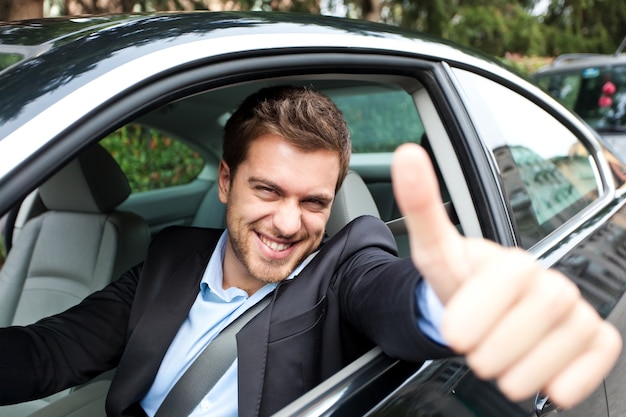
(323, 198)
(265, 182)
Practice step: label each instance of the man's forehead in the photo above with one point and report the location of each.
(274, 159)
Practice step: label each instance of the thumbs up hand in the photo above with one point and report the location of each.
(525, 326)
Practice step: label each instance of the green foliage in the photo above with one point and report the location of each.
(151, 159)
(595, 26)
(500, 26)
(485, 28)
(8, 59)
(525, 65)
(380, 122)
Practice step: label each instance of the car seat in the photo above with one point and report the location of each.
(77, 246)
(353, 199)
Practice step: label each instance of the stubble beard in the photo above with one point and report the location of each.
(266, 271)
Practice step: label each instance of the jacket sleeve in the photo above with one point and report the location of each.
(377, 294)
(69, 348)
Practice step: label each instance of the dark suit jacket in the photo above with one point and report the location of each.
(354, 294)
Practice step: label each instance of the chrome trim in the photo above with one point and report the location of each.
(326, 398)
(27, 139)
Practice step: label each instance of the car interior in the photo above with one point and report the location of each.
(85, 225)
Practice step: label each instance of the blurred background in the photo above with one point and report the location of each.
(526, 33)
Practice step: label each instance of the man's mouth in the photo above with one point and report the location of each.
(273, 245)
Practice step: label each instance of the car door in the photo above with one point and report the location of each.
(572, 218)
(550, 191)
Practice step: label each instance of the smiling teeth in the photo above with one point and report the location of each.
(276, 247)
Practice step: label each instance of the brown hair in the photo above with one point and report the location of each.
(305, 118)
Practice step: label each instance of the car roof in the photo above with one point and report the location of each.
(576, 61)
(59, 55)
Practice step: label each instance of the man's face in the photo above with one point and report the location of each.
(278, 203)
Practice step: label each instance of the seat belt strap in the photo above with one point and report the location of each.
(208, 367)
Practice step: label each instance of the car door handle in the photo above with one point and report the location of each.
(544, 407)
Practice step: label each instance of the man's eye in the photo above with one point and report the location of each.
(265, 190)
(316, 204)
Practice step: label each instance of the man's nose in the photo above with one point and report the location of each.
(288, 218)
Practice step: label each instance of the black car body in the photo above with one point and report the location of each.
(515, 166)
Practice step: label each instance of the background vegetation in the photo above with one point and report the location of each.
(526, 27)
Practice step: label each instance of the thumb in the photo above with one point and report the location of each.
(437, 249)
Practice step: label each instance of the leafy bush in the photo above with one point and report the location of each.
(526, 64)
(151, 159)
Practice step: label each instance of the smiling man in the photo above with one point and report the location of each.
(276, 210)
(286, 153)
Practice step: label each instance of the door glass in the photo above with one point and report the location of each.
(547, 173)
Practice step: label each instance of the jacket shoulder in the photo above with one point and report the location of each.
(180, 240)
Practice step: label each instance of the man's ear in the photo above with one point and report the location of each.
(223, 181)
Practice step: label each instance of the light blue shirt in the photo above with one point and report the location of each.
(213, 309)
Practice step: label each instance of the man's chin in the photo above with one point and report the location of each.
(272, 273)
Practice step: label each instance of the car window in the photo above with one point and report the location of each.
(547, 174)
(152, 159)
(380, 121)
(380, 118)
(597, 94)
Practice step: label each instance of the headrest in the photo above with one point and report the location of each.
(92, 183)
(352, 200)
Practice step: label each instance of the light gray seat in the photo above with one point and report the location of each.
(76, 247)
(80, 244)
(352, 200)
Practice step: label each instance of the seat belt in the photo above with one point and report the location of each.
(208, 367)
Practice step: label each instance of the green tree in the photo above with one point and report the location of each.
(584, 25)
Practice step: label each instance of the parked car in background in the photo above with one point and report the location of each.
(514, 166)
(594, 87)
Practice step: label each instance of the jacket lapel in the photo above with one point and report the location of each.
(154, 332)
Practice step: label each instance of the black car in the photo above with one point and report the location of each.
(594, 87)
(514, 165)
